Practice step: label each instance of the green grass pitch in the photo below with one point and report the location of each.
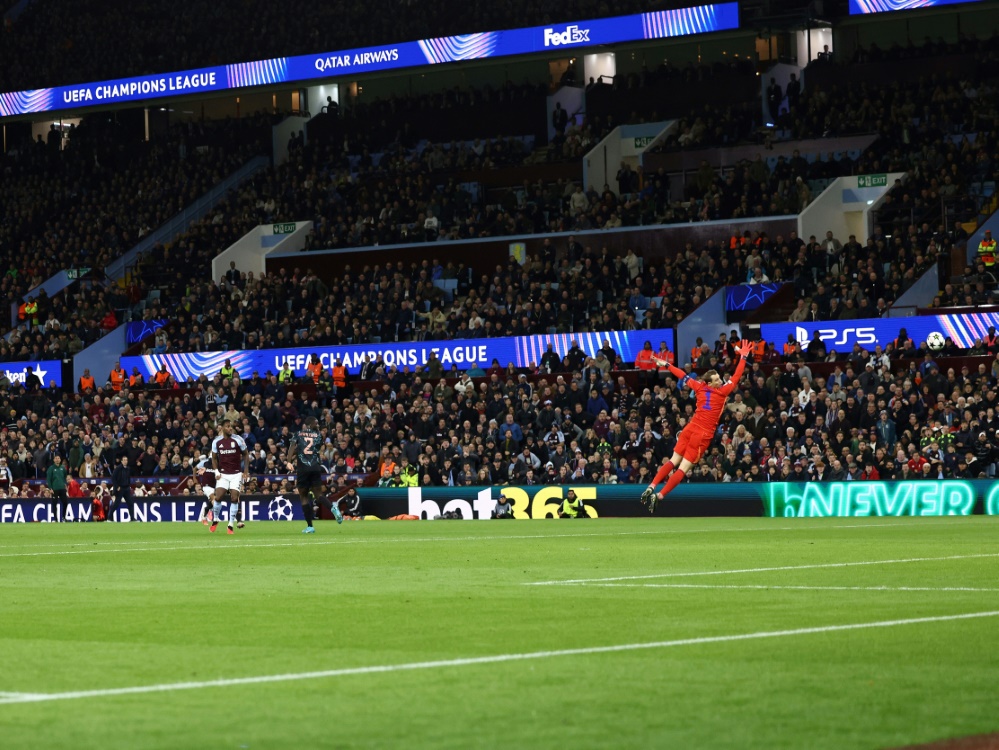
(94, 608)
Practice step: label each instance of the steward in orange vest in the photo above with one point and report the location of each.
(315, 369)
(117, 378)
(643, 360)
(86, 383)
(339, 375)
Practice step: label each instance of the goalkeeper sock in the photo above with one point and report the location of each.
(678, 476)
(663, 472)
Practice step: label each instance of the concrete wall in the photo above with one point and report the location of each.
(101, 356)
(707, 322)
(677, 161)
(844, 208)
(183, 220)
(55, 284)
(651, 243)
(918, 295)
(600, 165)
(249, 251)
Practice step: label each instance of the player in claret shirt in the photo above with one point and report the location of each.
(305, 447)
(229, 453)
(696, 437)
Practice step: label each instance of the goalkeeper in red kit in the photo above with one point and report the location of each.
(696, 437)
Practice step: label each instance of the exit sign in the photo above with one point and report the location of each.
(284, 228)
(872, 180)
(643, 141)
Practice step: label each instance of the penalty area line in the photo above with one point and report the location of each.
(15, 698)
(765, 587)
(735, 571)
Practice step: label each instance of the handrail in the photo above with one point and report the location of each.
(190, 213)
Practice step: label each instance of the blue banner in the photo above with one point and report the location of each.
(865, 7)
(49, 371)
(655, 25)
(841, 335)
(163, 508)
(522, 351)
(746, 297)
(137, 331)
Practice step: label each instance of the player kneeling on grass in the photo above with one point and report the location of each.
(304, 446)
(228, 453)
(352, 500)
(696, 437)
(572, 506)
(503, 507)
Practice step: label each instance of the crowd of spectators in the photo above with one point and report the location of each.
(85, 205)
(879, 414)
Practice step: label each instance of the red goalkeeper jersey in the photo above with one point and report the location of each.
(710, 401)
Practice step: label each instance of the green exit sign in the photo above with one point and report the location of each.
(76, 273)
(872, 180)
(284, 228)
(643, 141)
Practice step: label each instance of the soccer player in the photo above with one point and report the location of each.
(696, 437)
(206, 476)
(304, 446)
(228, 452)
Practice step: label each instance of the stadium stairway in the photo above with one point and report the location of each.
(120, 271)
(183, 220)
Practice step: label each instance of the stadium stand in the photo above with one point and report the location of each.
(890, 414)
(872, 414)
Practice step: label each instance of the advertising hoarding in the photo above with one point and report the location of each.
(49, 371)
(924, 498)
(866, 7)
(520, 350)
(551, 38)
(841, 335)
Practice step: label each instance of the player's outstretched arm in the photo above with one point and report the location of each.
(743, 351)
(675, 370)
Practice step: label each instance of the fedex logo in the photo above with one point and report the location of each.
(839, 337)
(572, 35)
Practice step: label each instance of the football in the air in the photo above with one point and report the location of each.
(935, 341)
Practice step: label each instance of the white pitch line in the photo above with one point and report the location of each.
(778, 588)
(477, 660)
(759, 570)
(767, 529)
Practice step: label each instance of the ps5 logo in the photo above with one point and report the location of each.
(837, 337)
(572, 35)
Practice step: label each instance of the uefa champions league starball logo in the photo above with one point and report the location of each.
(280, 509)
